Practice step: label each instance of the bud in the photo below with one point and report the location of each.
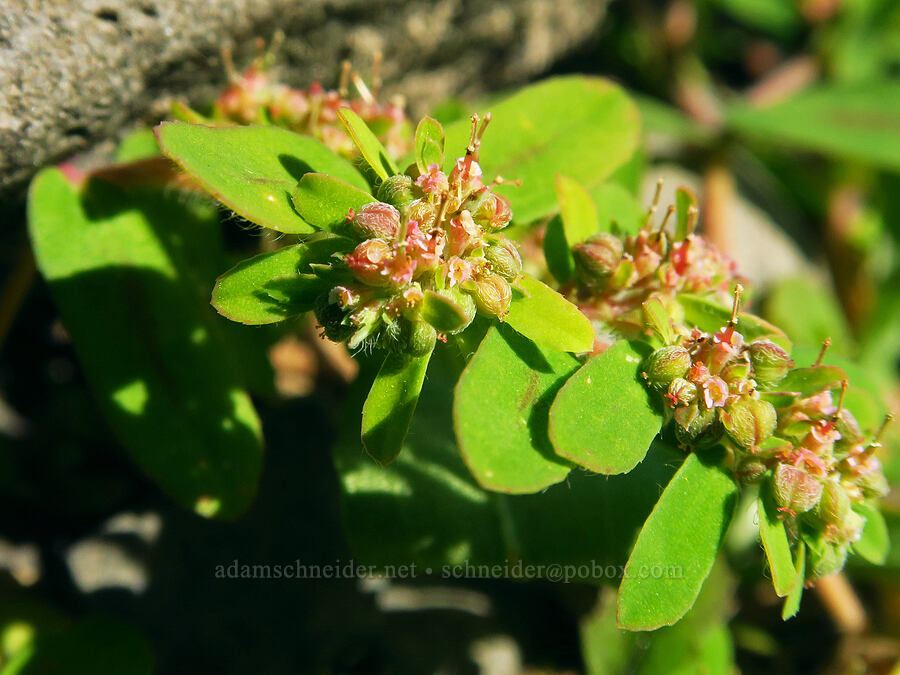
(490, 210)
(598, 257)
(504, 259)
(422, 212)
(703, 431)
(396, 190)
(377, 220)
(834, 505)
(492, 294)
(664, 365)
(795, 490)
(681, 392)
(343, 296)
(825, 559)
(770, 363)
(749, 422)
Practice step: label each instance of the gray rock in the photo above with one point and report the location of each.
(73, 72)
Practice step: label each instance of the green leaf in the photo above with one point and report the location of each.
(557, 252)
(577, 210)
(130, 273)
(296, 293)
(369, 146)
(442, 313)
(874, 544)
(684, 200)
(808, 381)
(792, 603)
(808, 313)
(547, 318)
(680, 540)
(709, 316)
(544, 129)
(390, 406)
(239, 294)
(426, 507)
(324, 201)
(604, 418)
(852, 121)
(140, 144)
(775, 541)
(253, 170)
(429, 144)
(616, 205)
(500, 413)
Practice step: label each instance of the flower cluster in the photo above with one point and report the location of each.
(617, 274)
(430, 240)
(256, 97)
(719, 389)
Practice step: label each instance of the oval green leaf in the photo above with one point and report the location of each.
(390, 405)
(874, 544)
(324, 201)
(500, 413)
(253, 170)
(792, 602)
(709, 316)
(546, 128)
(677, 546)
(604, 418)
(557, 252)
(615, 205)
(130, 273)
(239, 294)
(547, 318)
(577, 210)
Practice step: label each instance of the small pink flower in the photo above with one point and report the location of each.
(463, 234)
(434, 182)
(466, 177)
(715, 392)
(458, 271)
(425, 249)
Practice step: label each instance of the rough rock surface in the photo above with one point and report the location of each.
(73, 72)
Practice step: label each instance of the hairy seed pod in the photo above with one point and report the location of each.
(848, 428)
(664, 365)
(834, 505)
(824, 560)
(420, 337)
(370, 262)
(598, 257)
(749, 422)
(795, 490)
(749, 469)
(489, 210)
(422, 212)
(377, 220)
(873, 484)
(681, 392)
(397, 191)
(770, 363)
(504, 259)
(492, 294)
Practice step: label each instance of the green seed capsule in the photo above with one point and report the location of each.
(492, 294)
(396, 191)
(825, 560)
(770, 363)
(598, 257)
(750, 422)
(504, 259)
(664, 365)
(834, 505)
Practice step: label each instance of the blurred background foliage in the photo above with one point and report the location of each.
(782, 115)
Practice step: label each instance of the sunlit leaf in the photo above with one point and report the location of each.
(369, 146)
(874, 544)
(775, 541)
(429, 144)
(324, 201)
(545, 317)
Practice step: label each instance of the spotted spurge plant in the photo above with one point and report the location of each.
(631, 360)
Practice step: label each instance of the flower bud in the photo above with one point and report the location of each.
(749, 422)
(433, 181)
(490, 210)
(396, 190)
(834, 505)
(770, 363)
(681, 392)
(492, 294)
(664, 365)
(343, 296)
(370, 262)
(504, 259)
(598, 257)
(703, 431)
(377, 220)
(795, 490)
